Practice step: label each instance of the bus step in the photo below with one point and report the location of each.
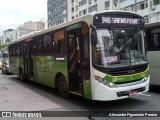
(79, 93)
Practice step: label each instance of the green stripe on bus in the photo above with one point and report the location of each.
(126, 78)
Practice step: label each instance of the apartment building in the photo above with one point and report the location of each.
(57, 12)
(36, 26)
(1, 40)
(11, 35)
(150, 9)
(78, 8)
(8, 36)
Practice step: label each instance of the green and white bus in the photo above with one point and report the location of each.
(153, 50)
(100, 56)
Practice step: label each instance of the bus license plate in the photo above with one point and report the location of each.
(133, 93)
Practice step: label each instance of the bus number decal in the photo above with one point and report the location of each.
(112, 59)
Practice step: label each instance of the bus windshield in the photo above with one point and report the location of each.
(117, 47)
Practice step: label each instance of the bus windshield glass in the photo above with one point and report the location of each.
(117, 47)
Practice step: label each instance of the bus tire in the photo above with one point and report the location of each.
(21, 75)
(7, 72)
(63, 87)
(2, 71)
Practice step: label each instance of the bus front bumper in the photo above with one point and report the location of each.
(104, 93)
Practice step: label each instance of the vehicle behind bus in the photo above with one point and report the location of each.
(5, 63)
(153, 50)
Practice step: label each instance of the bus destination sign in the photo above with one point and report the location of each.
(117, 19)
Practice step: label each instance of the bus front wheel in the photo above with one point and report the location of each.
(63, 88)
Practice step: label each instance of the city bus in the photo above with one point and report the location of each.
(153, 50)
(100, 56)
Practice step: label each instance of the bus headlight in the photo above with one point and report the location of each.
(145, 78)
(103, 81)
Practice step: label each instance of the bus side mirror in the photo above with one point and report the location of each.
(94, 37)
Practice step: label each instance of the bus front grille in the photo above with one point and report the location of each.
(129, 71)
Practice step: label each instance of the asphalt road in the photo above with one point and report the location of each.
(29, 96)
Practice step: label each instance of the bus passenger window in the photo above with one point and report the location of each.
(47, 46)
(58, 42)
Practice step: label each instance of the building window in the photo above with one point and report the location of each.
(83, 12)
(82, 2)
(93, 8)
(142, 6)
(107, 4)
(115, 1)
(76, 8)
(156, 2)
(73, 9)
(122, 1)
(146, 19)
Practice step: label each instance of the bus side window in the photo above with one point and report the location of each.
(58, 42)
(47, 46)
(14, 50)
(37, 45)
(10, 50)
(18, 49)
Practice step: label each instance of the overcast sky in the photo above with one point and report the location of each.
(15, 12)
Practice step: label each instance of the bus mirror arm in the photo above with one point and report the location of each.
(93, 27)
(93, 35)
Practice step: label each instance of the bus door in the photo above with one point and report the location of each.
(74, 61)
(28, 59)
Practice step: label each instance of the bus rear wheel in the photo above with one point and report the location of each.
(63, 88)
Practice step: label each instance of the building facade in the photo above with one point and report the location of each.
(78, 8)
(57, 12)
(9, 36)
(1, 40)
(149, 9)
(36, 26)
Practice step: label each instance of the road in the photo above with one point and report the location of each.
(28, 96)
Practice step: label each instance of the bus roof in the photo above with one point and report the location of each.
(83, 18)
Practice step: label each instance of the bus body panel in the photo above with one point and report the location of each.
(15, 64)
(46, 68)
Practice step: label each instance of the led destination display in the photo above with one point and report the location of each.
(117, 19)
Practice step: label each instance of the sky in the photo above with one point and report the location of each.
(14, 13)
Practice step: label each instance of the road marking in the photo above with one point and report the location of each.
(146, 95)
